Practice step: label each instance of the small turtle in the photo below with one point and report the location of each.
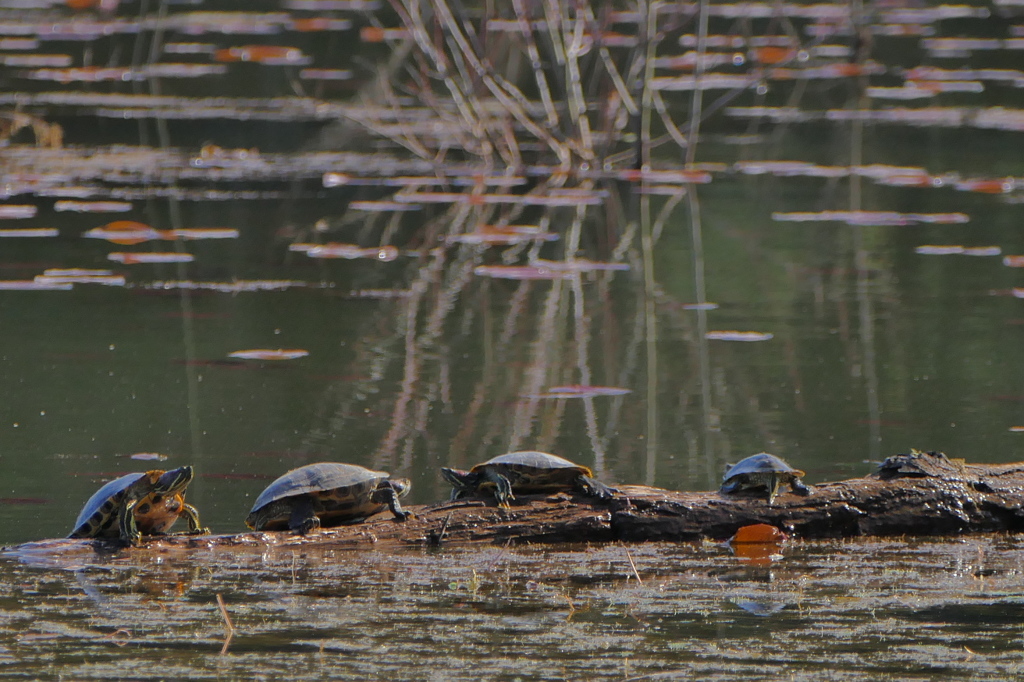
(328, 494)
(525, 472)
(138, 504)
(762, 471)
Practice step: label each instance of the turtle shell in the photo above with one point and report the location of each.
(529, 469)
(104, 504)
(761, 463)
(337, 489)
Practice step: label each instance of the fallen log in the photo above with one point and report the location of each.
(920, 493)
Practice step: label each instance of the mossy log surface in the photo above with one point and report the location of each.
(914, 494)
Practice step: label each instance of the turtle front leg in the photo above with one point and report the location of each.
(773, 487)
(594, 488)
(389, 496)
(191, 515)
(128, 529)
(502, 489)
(799, 487)
(303, 519)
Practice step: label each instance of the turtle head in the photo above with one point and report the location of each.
(173, 481)
(401, 486)
(462, 481)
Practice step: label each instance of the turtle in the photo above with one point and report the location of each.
(526, 472)
(326, 494)
(138, 504)
(762, 471)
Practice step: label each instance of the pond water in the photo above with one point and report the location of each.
(827, 269)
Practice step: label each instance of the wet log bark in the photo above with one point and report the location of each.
(914, 494)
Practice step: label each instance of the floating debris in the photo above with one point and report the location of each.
(33, 285)
(262, 54)
(932, 250)
(1013, 261)
(700, 306)
(504, 235)
(129, 232)
(579, 265)
(349, 251)
(264, 354)
(125, 232)
(383, 206)
(984, 186)
(738, 336)
(953, 249)
(148, 456)
(80, 276)
(519, 272)
(152, 257)
(325, 74)
(579, 391)
(92, 206)
(29, 232)
(17, 211)
(872, 217)
(234, 287)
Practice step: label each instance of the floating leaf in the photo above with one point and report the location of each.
(986, 186)
(124, 232)
(933, 250)
(148, 456)
(580, 265)
(232, 287)
(700, 306)
(519, 272)
(33, 285)
(383, 206)
(30, 232)
(16, 211)
(348, 251)
(150, 257)
(504, 235)
(738, 336)
(758, 532)
(264, 354)
(579, 391)
(1013, 261)
(262, 54)
(80, 276)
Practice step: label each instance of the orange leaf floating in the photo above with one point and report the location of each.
(124, 232)
(262, 54)
(738, 336)
(773, 55)
(986, 186)
(1013, 261)
(758, 532)
(757, 544)
(264, 354)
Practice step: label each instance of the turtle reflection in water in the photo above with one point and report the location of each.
(762, 471)
(326, 494)
(138, 504)
(525, 472)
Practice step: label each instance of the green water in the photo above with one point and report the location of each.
(866, 347)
